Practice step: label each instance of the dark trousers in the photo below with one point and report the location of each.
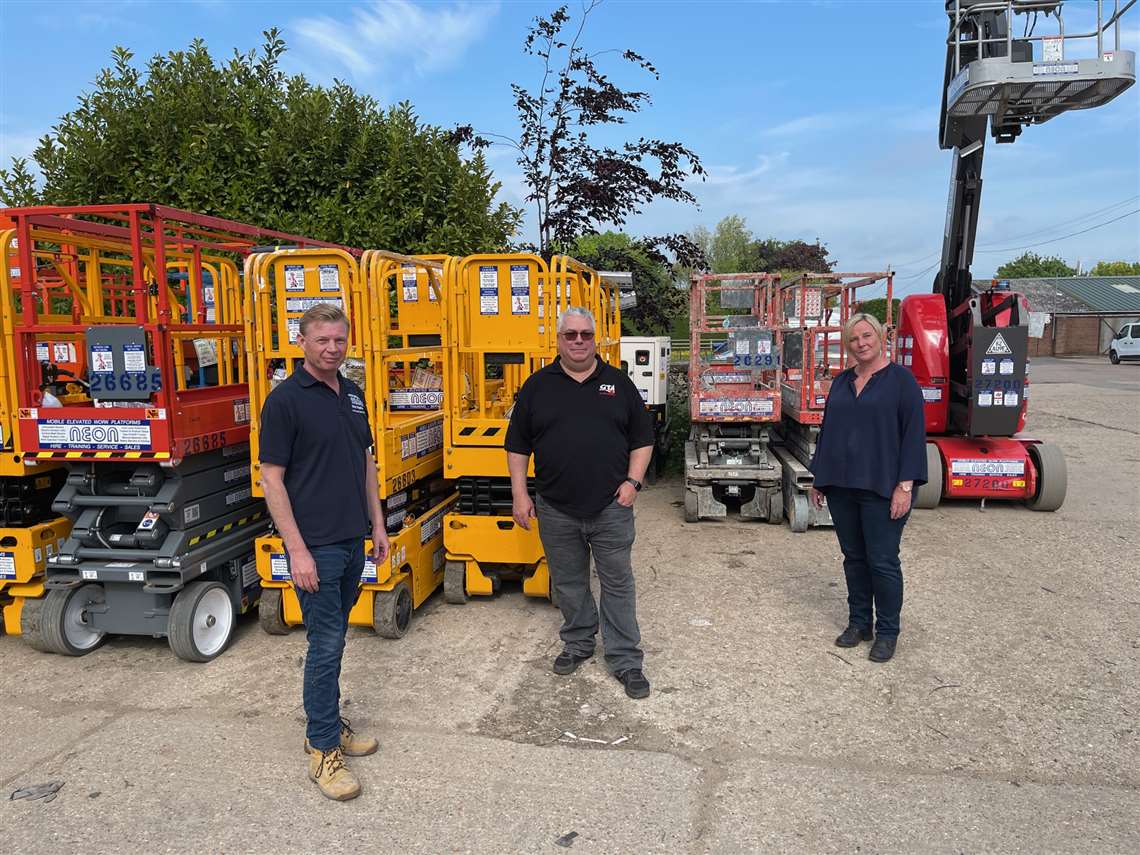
(325, 612)
(870, 541)
(569, 543)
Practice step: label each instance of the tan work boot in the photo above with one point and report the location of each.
(327, 770)
(351, 743)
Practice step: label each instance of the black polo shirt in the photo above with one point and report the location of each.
(581, 434)
(320, 439)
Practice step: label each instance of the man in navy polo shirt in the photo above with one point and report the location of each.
(319, 476)
(592, 438)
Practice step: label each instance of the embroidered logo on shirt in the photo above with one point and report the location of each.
(357, 404)
(608, 389)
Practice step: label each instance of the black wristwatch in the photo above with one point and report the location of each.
(636, 484)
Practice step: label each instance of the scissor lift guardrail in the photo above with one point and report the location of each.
(387, 353)
(812, 310)
(734, 390)
(501, 326)
(129, 368)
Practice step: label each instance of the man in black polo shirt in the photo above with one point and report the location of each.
(592, 438)
(315, 448)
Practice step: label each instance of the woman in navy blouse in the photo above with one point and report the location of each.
(870, 456)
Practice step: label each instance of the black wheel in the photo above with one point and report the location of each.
(775, 508)
(1052, 477)
(799, 513)
(201, 621)
(1113, 357)
(392, 611)
(31, 624)
(928, 495)
(691, 513)
(65, 625)
(455, 582)
(271, 611)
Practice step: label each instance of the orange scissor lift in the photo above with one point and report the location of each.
(394, 304)
(734, 395)
(500, 323)
(150, 414)
(812, 309)
(30, 531)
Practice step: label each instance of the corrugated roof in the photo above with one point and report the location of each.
(1095, 293)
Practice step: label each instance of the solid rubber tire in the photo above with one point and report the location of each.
(928, 495)
(799, 513)
(180, 625)
(52, 620)
(455, 583)
(271, 611)
(392, 611)
(1052, 477)
(31, 624)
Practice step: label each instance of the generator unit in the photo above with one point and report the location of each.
(646, 360)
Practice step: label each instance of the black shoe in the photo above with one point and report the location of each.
(883, 649)
(567, 662)
(636, 686)
(853, 635)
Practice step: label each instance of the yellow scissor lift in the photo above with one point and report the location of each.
(500, 324)
(385, 350)
(30, 531)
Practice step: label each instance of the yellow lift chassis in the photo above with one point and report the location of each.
(500, 324)
(30, 531)
(394, 304)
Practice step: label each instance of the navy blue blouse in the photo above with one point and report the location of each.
(875, 440)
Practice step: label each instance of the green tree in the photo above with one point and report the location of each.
(659, 302)
(1030, 265)
(878, 308)
(1116, 268)
(242, 140)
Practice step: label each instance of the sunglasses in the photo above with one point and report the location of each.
(584, 335)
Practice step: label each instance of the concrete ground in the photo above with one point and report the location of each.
(1007, 721)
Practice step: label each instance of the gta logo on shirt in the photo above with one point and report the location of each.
(607, 389)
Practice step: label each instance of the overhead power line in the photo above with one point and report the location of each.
(1063, 237)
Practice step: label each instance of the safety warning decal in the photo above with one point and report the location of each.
(303, 304)
(985, 399)
(110, 435)
(102, 360)
(520, 289)
(931, 393)
(998, 346)
(279, 567)
(488, 290)
(1006, 366)
(330, 277)
(294, 277)
(369, 574)
(411, 289)
(431, 526)
(7, 565)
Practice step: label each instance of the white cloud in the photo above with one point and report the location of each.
(387, 33)
(810, 124)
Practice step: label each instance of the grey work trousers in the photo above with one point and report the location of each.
(569, 542)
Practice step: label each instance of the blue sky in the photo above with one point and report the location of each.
(814, 119)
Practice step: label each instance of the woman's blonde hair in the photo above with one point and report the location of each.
(862, 317)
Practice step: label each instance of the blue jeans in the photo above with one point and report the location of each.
(870, 542)
(325, 612)
(569, 543)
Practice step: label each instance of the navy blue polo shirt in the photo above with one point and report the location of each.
(320, 438)
(873, 441)
(581, 434)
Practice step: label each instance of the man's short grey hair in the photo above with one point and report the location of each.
(575, 312)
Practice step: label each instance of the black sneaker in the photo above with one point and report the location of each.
(636, 685)
(567, 662)
(883, 649)
(853, 635)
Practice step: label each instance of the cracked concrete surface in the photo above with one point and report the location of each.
(1007, 722)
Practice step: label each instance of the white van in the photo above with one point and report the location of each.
(1125, 344)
